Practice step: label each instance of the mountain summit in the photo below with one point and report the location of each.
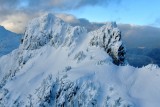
(58, 65)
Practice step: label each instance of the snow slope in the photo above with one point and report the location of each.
(58, 65)
(8, 41)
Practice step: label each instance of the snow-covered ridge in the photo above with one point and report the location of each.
(58, 65)
(8, 41)
(49, 29)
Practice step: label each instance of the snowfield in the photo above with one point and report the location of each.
(58, 65)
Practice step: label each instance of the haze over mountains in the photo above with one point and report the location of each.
(142, 43)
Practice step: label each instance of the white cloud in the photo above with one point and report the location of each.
(67, 18)
(16, 22)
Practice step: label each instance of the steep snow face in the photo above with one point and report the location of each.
(58, 65)
(8, 41)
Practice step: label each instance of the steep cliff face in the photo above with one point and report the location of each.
(60, 65)
(109, 38)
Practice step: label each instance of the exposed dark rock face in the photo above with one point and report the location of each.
(110, 39)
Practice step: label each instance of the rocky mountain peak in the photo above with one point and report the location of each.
(48, 29)
(66, 66)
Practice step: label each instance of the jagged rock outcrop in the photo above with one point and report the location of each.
(109, 38)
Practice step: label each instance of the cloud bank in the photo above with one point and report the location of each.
(16, 13)
(140, 36)
(59, 4)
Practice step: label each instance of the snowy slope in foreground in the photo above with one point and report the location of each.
(58, 65)
(8, 41)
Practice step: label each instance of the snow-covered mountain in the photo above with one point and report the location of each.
(8, 41)
(58, 65)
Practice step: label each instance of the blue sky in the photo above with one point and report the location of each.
(138, 12)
